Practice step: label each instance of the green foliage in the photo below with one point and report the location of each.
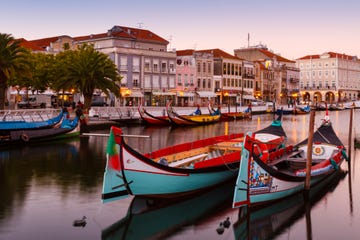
(85, 70)
(11, 61)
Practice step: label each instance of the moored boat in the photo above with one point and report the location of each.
(186, 120)
(68, 128)
(269, 173)
(247, 114)
(172, 171)
(151, 119)
(273, 219)
(23, 124)
(177, 170)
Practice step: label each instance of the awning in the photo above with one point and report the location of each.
(164, 93)
(206, 94)
(185, 94)
(136, 94)
(251, 97)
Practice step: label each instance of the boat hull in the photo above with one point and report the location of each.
(173, 171)
(141, 177)
(265, 178)
(25, 125)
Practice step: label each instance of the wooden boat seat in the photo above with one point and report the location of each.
(187, 160)
(286, 157)
(226, 148)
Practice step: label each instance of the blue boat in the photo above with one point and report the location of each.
(22, 124)
(66, 129)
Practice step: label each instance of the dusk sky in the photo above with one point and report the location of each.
(292, 29)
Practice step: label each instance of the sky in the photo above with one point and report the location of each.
(292, 29)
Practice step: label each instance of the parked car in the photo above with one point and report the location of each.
(98, 101)
(35, 101)
(258, 103)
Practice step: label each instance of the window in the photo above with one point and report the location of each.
(123, 63)
(199, 67)
(179, 80)
(135, 82)
(163, 67)
(204, 67)
(147, 66)
(147, 81)
(204, 83)
(209, 67)
(156, 83)
(209, 83)
(136, 64)
(186, 83)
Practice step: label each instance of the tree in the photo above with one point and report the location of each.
(86, 69)
(11, 61)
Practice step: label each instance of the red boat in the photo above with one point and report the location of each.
(152, 119)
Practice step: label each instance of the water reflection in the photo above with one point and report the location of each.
(272, 220)
(44, 188)
(68, 165)
(159, 218)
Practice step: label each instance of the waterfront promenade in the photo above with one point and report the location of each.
(109, 115)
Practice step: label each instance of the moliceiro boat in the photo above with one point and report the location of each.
(151, 119)
(177, 170)
(173, 171)
(67, 128)
(270, 172)
(23, 124)
(192, 119)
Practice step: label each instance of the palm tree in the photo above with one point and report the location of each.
(86, 70)
(10, 62)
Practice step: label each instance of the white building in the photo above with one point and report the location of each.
(330, 77)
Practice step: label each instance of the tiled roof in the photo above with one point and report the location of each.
(272, 55)
(125, 32)
(29, 45)
(116, 31)
(218, 53)
(44, 42)
(186, 52)
(331, 54)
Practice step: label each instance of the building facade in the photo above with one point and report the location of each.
(147, 69)
(276, 78)
(330, 77)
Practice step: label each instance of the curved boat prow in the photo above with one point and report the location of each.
(241, 196)
(114, 185)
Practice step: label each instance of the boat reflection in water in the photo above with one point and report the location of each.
(160, 218)
(269, 221)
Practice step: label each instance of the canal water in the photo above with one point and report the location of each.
(44, 188)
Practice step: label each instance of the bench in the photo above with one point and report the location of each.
(187, 160)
